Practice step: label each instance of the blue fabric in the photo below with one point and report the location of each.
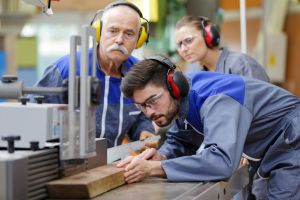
(110, 123)
(237, 63)
(206, 84)
(236, 114)
(2, 66)
(114, 97)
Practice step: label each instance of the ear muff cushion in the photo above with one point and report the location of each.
(173, 89)
(208, 36)
(216, 36)
(210, 32)
(181, 82)
(97, 25)
(142, 37)
(211, 36)
(177, 84)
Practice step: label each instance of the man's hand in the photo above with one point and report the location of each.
(125, 162)
(151, 154)
(137, 169)
(146, 134)
(244, 162)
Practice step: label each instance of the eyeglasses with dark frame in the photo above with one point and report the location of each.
(151, 102)
(186, 42)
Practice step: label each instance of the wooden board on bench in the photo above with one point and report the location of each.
(87, 184)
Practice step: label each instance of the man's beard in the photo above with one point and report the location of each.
(170, 115)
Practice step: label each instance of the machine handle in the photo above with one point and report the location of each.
(23, 100)
(39, 99)
(9, 78)
(11, 142)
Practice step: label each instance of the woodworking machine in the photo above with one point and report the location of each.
(37, 136)
(41, 142)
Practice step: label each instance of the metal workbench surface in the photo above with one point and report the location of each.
(161, 189)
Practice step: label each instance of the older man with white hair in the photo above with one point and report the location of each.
(121, 31)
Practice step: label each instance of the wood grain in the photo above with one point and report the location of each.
(87, 184)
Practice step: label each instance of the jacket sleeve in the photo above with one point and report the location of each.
(247, 66)
(226, 123)
(51, 78)
(180, 141)
(141, 124)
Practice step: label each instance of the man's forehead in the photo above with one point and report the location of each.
(121, 15)
(148, 90)
(121, 10)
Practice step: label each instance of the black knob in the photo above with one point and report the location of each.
(9, 78)
(11, 142)
(34, 145)
(24, 100)
(65, 84)
(39, 99)
(96, 91)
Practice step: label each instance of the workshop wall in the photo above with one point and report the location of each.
(231, 38)
(292, 82)
(75, 13)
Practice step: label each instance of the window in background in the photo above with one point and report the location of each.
(53, 36)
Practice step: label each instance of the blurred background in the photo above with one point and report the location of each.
(30, 40)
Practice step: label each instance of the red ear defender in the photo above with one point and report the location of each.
(177, 84)
(175, 91)
(210, 32)
(208, 37)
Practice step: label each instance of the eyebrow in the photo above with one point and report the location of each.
(146, 99)
(190, 36)
(114, 27)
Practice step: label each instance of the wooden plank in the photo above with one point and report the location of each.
(87, 184)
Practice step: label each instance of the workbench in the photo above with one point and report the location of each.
(161, 189)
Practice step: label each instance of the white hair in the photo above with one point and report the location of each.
(104, 15)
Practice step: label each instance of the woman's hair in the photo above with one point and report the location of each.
(142, 73)
(190, 20)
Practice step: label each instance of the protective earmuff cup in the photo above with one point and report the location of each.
(212, 37)
(210, 33)
(177, 84)
(143, 36)
(97, 25)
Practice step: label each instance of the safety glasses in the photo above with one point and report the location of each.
(151, 102)
(186, 42)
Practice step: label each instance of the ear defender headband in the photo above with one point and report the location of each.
(210, 32)
(143, 32)
(177, 84)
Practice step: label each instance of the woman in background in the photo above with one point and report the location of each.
(198, 41)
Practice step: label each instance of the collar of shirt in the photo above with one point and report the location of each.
(222, 60)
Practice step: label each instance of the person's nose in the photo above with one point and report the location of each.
(148, 111)
(183, 47)
(120, 38)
